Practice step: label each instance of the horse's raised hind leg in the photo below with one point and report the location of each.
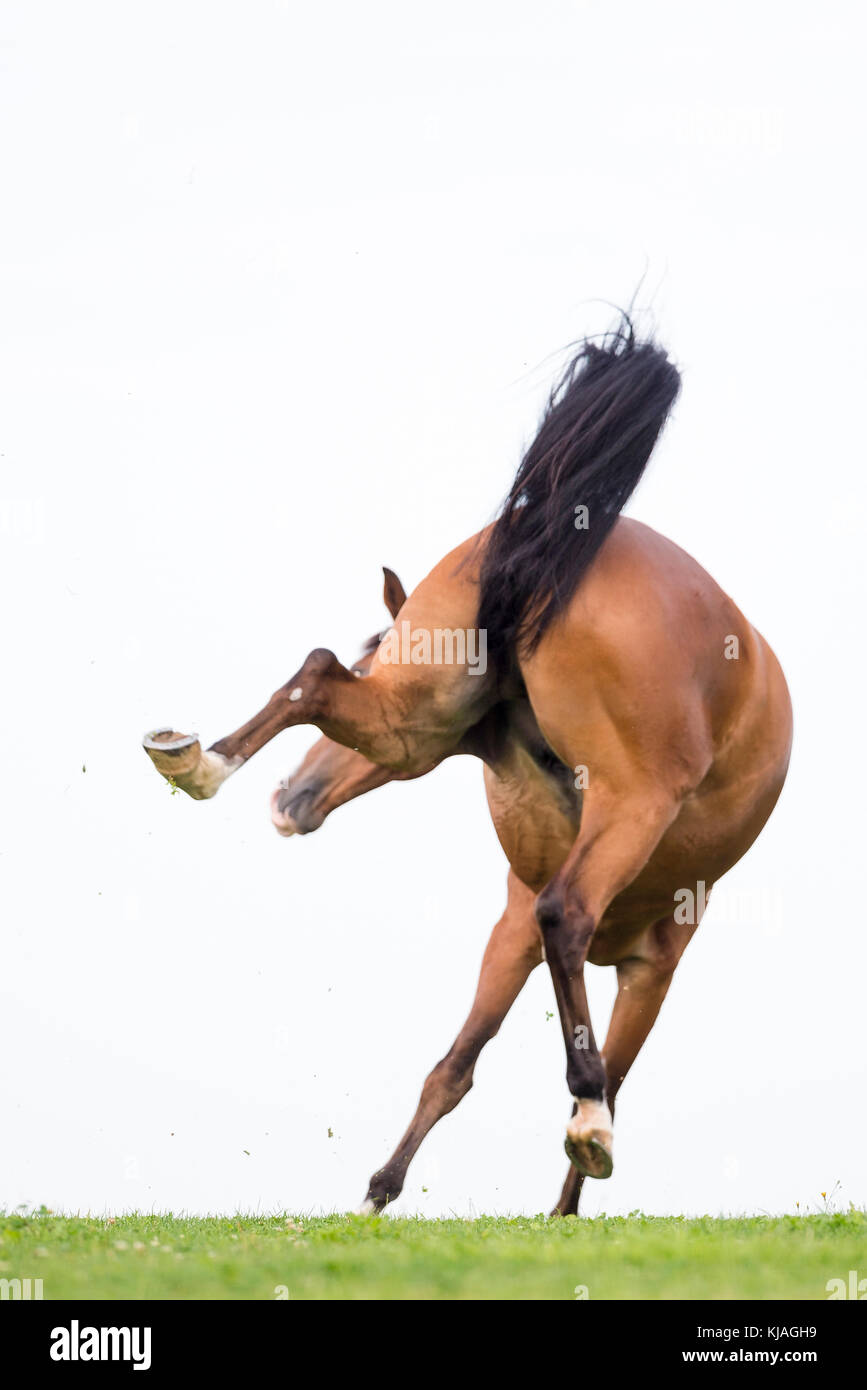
(406, 722)
(615, 841)
(513, 951)
(302, 700)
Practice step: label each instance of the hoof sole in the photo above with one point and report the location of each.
(589, 1139)
(590, 1158)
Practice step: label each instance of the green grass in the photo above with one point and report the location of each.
(345, 1257)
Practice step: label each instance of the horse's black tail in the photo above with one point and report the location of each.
(599, 428)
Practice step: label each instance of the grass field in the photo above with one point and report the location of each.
(344, 1257)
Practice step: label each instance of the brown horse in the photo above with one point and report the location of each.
(331, 775)
(617, 665)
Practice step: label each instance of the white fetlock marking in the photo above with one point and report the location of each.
(592, 1117)
(296, 693)
(211, 772)
(367, 1208)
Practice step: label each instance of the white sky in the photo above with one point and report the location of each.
(279, 289)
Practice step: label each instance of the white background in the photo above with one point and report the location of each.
(282, 289)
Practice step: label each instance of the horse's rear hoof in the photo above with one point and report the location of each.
(179, 758)
(589, 1139)
(590, 1158)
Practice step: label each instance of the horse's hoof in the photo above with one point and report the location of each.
(179, 758)
(589, 1139)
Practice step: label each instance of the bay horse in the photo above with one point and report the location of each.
(616, 663)
(331, 775)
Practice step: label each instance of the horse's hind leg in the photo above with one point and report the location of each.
(643, 980)
(567, 1202)
(642, 984)
(513, 951)
(402, 718)
(616, 839)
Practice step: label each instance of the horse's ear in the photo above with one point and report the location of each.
(393, 592)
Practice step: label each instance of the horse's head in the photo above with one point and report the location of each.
(330, 775)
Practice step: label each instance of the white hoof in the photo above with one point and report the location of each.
(589, 1139)
(180, 759)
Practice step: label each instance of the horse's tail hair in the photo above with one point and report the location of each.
(601, 422)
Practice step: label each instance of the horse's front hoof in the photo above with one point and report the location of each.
(179, 758)
(589, 1139)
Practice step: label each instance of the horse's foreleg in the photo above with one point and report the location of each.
(615, 841)
(514, 949)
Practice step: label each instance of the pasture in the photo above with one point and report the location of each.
(298, 1257)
